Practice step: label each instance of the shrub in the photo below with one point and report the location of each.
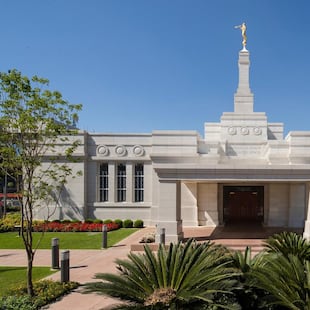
(98, 221)
(119, 222)
(72, 227)
(45, 292)
(75, 221)
(108, 221)
(10, 221)
(89, 221)
(56, 221)
(65, 221)
(138, 224)
(148, 238)
(128, 223)
(13, 303)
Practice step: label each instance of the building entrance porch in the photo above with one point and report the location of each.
(243, 204)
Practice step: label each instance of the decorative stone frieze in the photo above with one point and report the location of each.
(244, 131)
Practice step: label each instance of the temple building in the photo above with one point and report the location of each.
(242, 170)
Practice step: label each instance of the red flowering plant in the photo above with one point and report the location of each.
(72, 227)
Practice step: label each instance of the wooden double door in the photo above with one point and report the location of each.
(243, 203)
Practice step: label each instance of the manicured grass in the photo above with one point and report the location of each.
(67, 240)
(11, 277)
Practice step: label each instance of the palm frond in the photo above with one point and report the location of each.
(285, 278)
(289, 243)
(179, 275)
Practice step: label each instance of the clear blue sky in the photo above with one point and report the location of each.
(143, 65)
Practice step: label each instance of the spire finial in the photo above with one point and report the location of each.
(243, 33)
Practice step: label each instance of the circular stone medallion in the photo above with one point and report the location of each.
(102, 150)
(244, 131)
(120, 150)
(138, 150)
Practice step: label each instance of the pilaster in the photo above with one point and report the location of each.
(306, 234)
(169, 211)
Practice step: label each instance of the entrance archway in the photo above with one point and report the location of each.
(243, 204)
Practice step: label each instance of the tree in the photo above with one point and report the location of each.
(184, 276)
(37, 135)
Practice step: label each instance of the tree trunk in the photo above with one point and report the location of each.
(30, 257)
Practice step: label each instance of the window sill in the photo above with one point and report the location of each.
(120, 205)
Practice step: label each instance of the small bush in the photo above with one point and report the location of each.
(45, 291)
(107, 221)
(138, 224)
(119, 223)
(10, 221)
(75, 221)
(128, 223)
(98, 221)
(89, 221)
(21, 303)
(56, 221)
(150, 238)
(65, 221)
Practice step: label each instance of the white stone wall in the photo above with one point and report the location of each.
(278, 204)
(297, 205)
(70, 200)
(208, 204)
(189, 208)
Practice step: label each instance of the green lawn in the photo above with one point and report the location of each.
(11, 277)
(67, 240)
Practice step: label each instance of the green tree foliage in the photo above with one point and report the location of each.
(34, 121)
(184, 276)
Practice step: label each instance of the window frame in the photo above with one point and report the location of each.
(121, 182)
(103, 183)
(138, 182)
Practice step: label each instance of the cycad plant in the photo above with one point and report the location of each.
(289, 243)
(283, 273)
(248, 296)
(184, 276)
(286, 279)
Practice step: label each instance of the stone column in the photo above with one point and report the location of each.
(244, 99)
(307, 221)
(169, 211)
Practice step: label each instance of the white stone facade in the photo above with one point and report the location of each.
(243, 168)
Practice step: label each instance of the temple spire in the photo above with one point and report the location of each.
(244, 99)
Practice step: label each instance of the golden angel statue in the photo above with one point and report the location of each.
(243, 33)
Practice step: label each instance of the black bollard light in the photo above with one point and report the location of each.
(162, 236)
(55, 253)
(65, 266)
(104, 237)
